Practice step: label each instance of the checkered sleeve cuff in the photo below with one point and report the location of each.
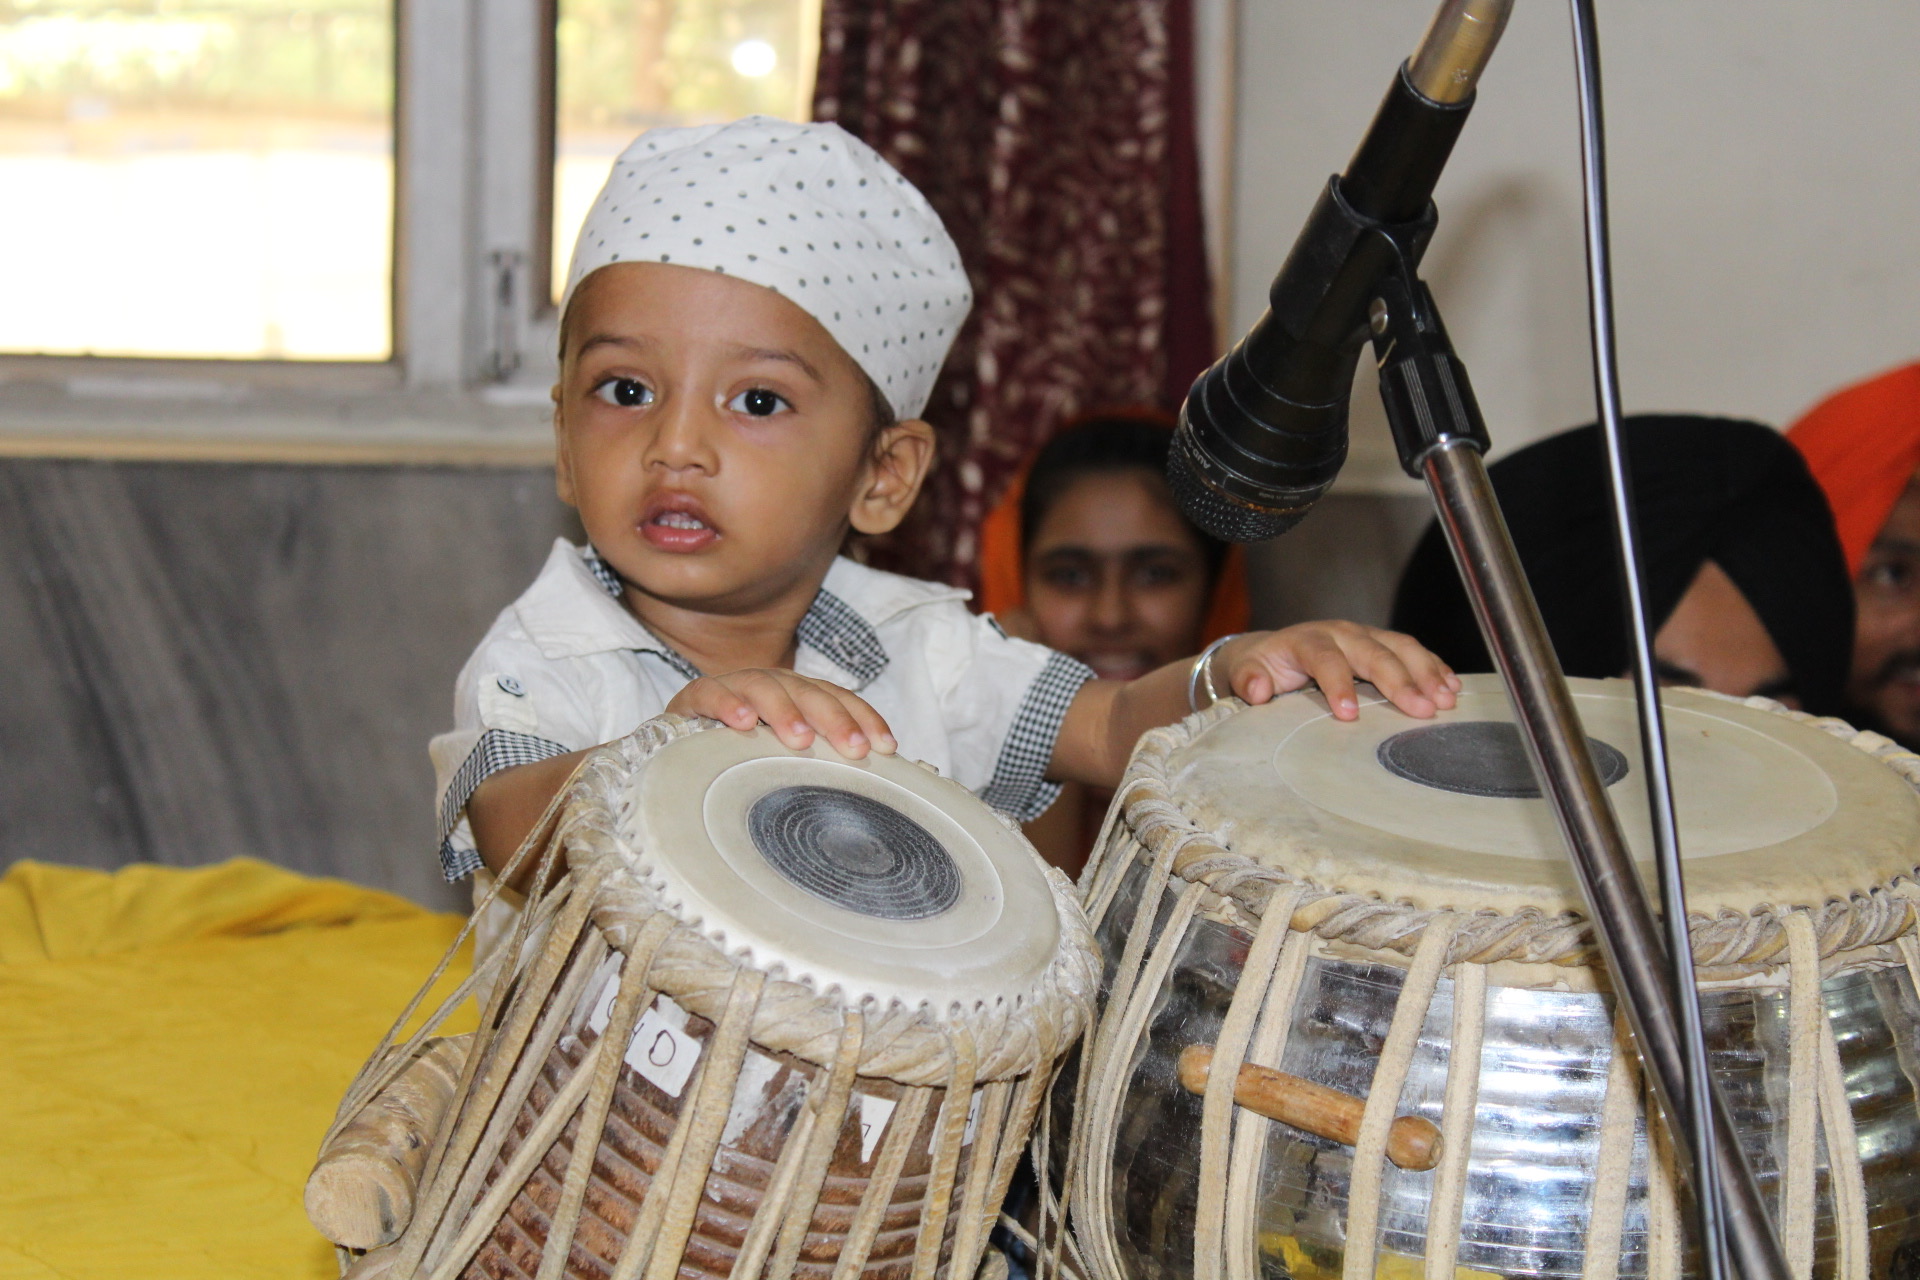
(497, 749)
(1019, 787)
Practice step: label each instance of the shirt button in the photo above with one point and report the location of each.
(509, 685)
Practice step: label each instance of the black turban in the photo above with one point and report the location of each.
(1718, 489)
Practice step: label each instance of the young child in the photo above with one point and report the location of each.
(755, 315)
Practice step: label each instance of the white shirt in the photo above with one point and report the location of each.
(566, 667)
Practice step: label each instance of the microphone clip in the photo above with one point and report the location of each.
(1424, 388)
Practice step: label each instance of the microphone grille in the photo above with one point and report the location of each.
(1218, 514)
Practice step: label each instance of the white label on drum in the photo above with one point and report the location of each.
(661, 1051)
(966, 1134)
(874, 1114)
(598, 996)
(749, 1094)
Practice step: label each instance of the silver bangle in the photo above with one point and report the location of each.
(1203, 672)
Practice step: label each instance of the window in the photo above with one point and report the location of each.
(203, 178)
(328, 220)
(624, 66)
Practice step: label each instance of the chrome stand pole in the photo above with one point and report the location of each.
(1630, 941)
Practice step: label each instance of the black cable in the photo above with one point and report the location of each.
(1699, 1117)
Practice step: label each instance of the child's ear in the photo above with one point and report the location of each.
(562, 455)
(895, 470)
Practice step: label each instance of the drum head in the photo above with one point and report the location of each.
(1443, 813)
(875, 876)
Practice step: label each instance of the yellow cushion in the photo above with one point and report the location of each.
(173, 1044)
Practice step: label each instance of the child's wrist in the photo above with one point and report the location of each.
(1200, 676)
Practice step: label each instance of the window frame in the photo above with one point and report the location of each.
(472, 323)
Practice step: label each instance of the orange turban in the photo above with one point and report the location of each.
(1003, 579)
(1863, 446)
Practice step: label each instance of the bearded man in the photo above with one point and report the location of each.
(1863, 446)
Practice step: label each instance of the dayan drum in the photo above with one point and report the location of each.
(785, 1015)
(1386, 908)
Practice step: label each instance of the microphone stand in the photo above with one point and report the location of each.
(1441, 436)
(1263, 434)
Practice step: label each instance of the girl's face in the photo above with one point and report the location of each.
(1115, 577)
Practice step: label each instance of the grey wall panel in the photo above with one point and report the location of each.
(203, 660)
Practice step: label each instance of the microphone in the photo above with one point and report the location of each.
(1263, 432)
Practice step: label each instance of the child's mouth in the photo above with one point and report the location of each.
(677, 525)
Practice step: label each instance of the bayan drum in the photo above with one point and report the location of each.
(1372, 931)
(785, 1014)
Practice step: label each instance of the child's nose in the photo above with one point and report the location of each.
(683, 437)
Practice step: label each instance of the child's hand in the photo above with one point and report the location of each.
(1332, 655)
(793, 706)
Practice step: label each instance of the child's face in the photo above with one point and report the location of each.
(714, 437)
(1115, 577)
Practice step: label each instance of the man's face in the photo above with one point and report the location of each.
(1713, 639)
(1885, 680)
(712, 435)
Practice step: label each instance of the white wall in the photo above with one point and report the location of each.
(1765, 169)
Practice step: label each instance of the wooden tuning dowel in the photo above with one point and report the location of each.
(1413, 1142)
(360, 1193)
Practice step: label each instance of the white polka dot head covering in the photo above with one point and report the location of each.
(806, 210)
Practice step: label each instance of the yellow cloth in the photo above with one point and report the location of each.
(173, 1044)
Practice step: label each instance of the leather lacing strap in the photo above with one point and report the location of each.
(545, 1132)
(629, 1001)
(1803, 1100)
(1811, 1041)
(382, 1068)
(452, 1173)
(474, 1224)
(1216, 1107)
(385, 1065)
(903, 1128)
(1612, 1174)
(1383, 1099)
(526, 1073)
(683, 1174)
(970, 1233)
(1054, 1212)
(1269, 1045)
(949, 1131)
(828, 1099)
(1094, 1050)
(1122, 1036)
(1458, 1113)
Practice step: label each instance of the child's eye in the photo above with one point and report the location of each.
(758, 402)
(625, 392)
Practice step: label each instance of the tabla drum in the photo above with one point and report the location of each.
(1373, 930)
(784, 1015)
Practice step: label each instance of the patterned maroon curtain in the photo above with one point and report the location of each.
(1056, 139)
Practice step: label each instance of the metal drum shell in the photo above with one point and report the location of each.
(1544, 1062)
(1354, 933)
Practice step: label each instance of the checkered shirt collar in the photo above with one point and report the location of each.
(831, 627)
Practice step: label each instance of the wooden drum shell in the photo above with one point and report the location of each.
(812, 1083)
(628, 1153)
